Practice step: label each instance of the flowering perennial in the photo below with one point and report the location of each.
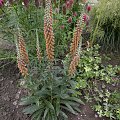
(76, 36)
(48, 31)
(22, 56)
(73, 65)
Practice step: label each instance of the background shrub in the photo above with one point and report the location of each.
(106, 24)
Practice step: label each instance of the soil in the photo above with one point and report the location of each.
(10, 94)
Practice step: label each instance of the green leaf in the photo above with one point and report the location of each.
(31, 109)
(76, 99)
(70, 108)
(57, 106)
(43, 92)
(45, 113)
(63, 114)
(77, 109)
(49, 104)
(37, 114)
(64, 96)
(27, 100)
(72, 103)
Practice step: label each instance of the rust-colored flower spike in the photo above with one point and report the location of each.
(39, 54)
(20, 61)
(22, 57)
(48, 31)
(22, 67)
(22, 49)
(73, 64)
(76, 36)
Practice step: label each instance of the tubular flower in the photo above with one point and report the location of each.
(76, 36)
(73, 65)
(48, 31)
(22, 67)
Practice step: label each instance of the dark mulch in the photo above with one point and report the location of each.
(10, 93)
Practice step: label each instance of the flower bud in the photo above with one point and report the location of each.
(67, 4)
(88, 8)
(69, 19)
(85, 17)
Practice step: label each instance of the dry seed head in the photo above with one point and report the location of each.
(48, 31)
(73, 65)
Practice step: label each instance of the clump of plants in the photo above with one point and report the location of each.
(106, 24)
(55, 85)
(49, 84)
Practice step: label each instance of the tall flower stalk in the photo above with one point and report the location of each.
(76, 36)
(48, 31)
(22, 48)
(76, 45)
(39, 54)
(73, 64)
(22, 55)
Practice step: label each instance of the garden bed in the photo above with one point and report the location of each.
(10, 94)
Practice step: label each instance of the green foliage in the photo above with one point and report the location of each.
(99, 83)
(31, 18)
(106, 24)
(50, 93)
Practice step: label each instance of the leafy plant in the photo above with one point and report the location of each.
(49, 85)
(96, 81)
(50, 94)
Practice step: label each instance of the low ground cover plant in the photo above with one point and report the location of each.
(99, 83)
